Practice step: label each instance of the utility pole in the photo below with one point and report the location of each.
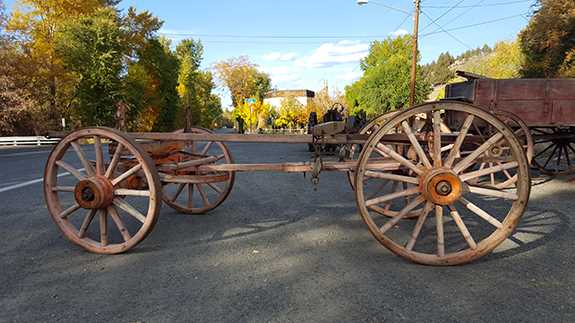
(412, 86)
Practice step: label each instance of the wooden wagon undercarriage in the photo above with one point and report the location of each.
(443, 183)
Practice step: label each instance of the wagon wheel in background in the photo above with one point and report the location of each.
(554, 150)
(404, 149)
(458, 222)
(506, 178)
(354, 150)
(120, 190)
(189, 189)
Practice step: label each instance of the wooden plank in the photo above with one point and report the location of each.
(299, 167)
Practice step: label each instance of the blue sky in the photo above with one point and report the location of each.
(302, 43)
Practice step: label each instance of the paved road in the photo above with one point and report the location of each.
(278, 251)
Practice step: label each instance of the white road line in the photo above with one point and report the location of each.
(25, 153)
(28, 183)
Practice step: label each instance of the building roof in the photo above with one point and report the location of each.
(285, 93)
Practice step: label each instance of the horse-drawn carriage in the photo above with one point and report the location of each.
(441, 183)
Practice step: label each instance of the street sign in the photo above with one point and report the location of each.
(251, 101)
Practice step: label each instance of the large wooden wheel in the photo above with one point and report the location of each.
(191, 189)
(118, 188)
(457, 222)
(554, 150)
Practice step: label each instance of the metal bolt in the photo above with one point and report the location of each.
(88, 194)
(443, 188)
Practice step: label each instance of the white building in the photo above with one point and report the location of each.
(275, 98)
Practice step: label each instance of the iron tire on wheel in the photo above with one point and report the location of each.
(101, 189)
(442, 182)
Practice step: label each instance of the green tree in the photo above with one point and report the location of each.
(91, 47)
(36, 23)
(195, 86)
(384, 85)
(150, 88)
(548, 42)
(439, 71)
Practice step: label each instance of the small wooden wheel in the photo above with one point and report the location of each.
(554, 150)
(190, 187)
(506, 178)
(120, 188)
(477, 219)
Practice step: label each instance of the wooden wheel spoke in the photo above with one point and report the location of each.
(99, 155)
(440, 232)
(70, 169)
(190, 195)
(86, 223)
(455, 151)
(417, 229)
(127, 174)
(393, 177)
(178, 191)
(543, 151)
(415, 143)
(567, 156)
(203, 195)
(467, 161)
(69, 211)
(507, 183)
(122, 204)
(481, 213)
(486, 171)
(437, 139)
(80, 153)
(127, 192)
(115, 160)
(103, 227)
(215, 188)
(399, 158)
(492, 175)
(493, 193)
(560, 152)
(119, 223)
(63, 189)
(415, 203)
(206, 148)
(551, 155)
(462, 228)
(392, 196)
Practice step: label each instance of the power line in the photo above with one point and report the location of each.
(445, 31)
(270, 36)
(495, 4)
(474, 25)
(444, 14)
(462, 14)
(377, 3)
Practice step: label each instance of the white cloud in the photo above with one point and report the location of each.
(277, 56)
(399, 32)
(350, 76)
(282, 74)
(330, 54)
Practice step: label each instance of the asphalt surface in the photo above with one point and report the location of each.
(276, 251)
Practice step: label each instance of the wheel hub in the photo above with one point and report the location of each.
(441, 186)
(94, 193)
